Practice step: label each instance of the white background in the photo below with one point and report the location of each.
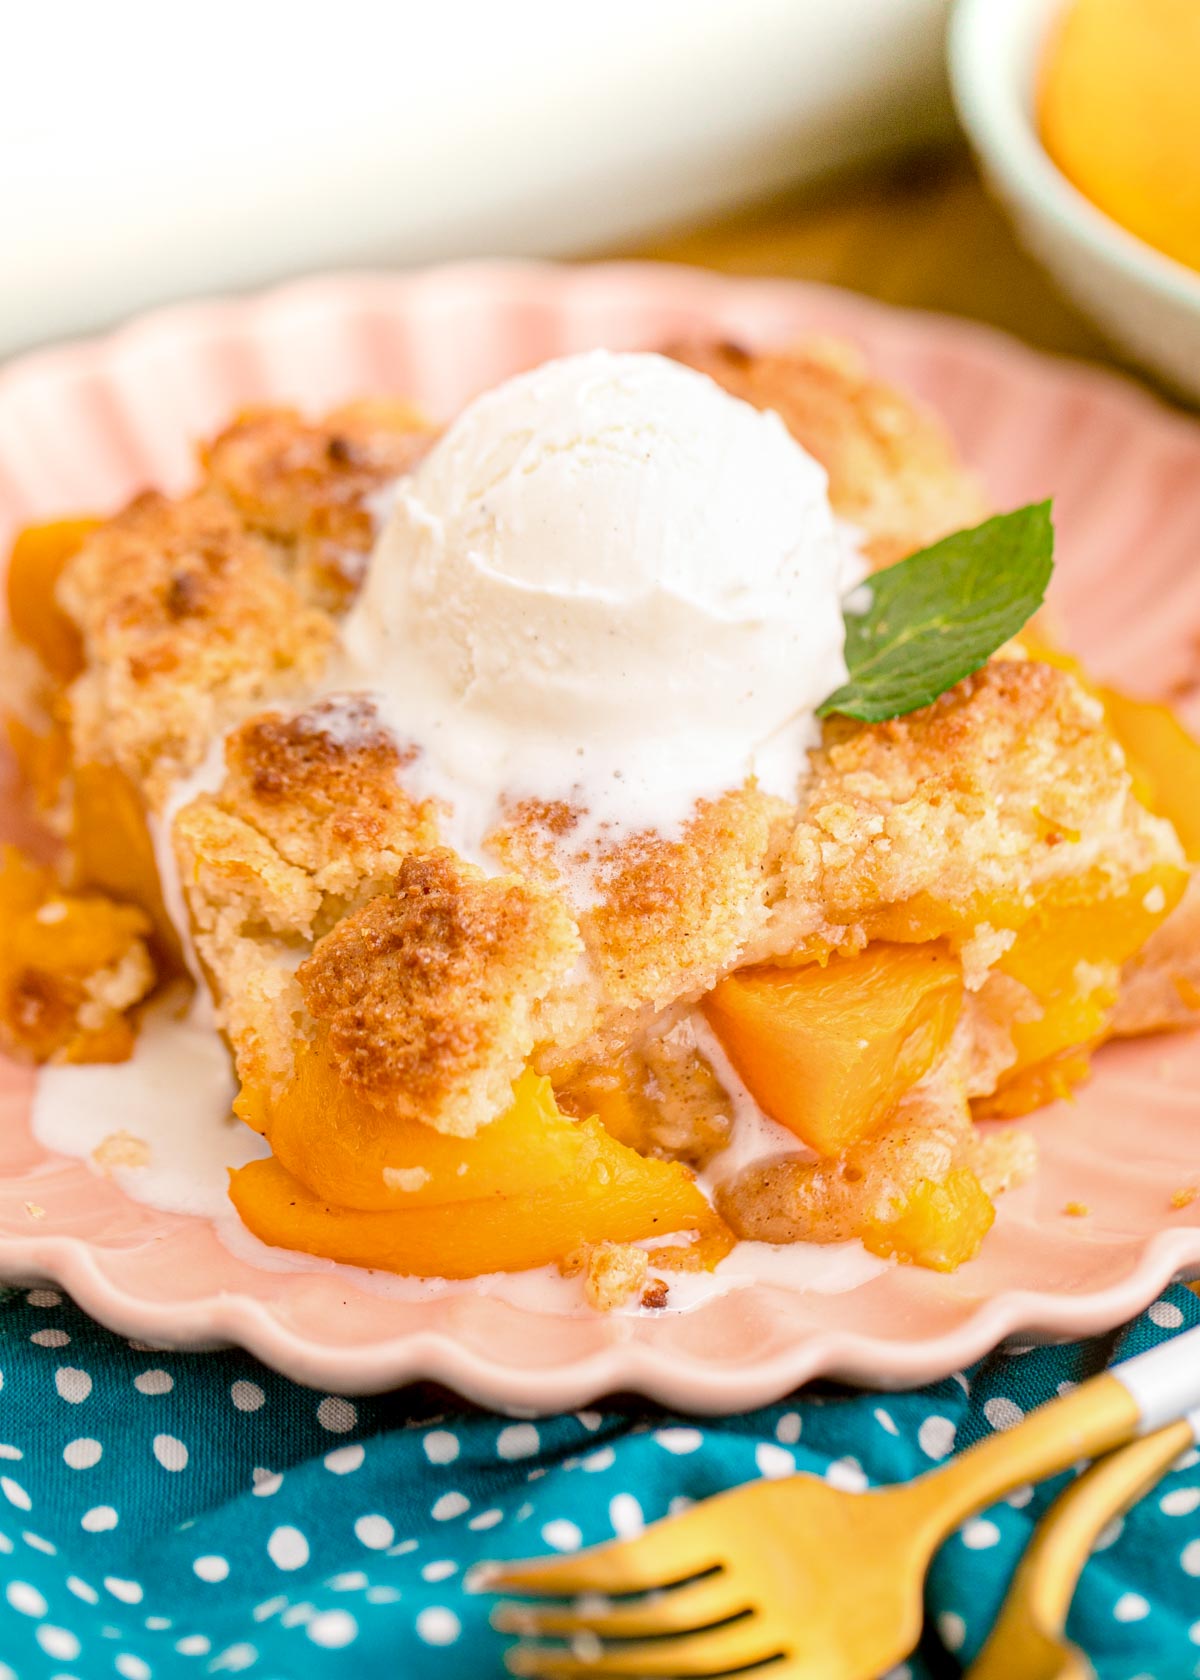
(150, 152)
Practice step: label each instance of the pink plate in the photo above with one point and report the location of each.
(84, 426)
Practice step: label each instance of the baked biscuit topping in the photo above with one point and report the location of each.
(431, 993)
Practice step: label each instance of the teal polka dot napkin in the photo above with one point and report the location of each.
(166, 1516)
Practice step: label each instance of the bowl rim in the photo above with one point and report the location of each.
(994, 111)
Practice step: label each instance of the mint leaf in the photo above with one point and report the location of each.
(939, 615)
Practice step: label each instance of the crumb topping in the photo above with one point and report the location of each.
(430, 993)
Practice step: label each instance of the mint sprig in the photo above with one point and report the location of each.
(940, 614)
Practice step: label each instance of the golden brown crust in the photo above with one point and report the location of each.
(185, 619)
(310, 821)
(323, 786)
(308, 485)
(1009, 781)
(430, 993)
(660, 918)
(893, 472)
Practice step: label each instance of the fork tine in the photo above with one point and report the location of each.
(669, 1551)
(695, 1604)
(737, 1646)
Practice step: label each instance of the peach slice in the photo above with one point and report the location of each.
(612, 1196)
(829, 1051)
(37, 560)
(114, 854)
(346, 1151)
(940, 1225)
(1164, 760)
(1068, 954)
(54, 949)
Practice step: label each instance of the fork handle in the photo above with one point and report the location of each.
(1092, 1419)
(1135, 1397)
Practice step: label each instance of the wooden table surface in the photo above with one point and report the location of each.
(920, 231)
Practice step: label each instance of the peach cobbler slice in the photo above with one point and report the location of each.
(463, 1069)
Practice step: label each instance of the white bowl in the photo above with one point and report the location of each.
(1145, 301)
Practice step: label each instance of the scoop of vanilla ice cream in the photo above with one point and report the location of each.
(609, 581)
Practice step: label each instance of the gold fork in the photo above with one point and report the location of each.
(1028, 1637)
(823, 1584)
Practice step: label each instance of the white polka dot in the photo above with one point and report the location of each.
(154, 1382)
(10, 1452)
(50, 1338)
(343, 1460)
(375, 1531)
(246, 1396)
(350, 1580)
(591, 1421)
(158, 1624)
(28, 1600)
(679, 1440)
(563, 1535)
(1187, 1460)
(952, 1629)
(266, 1482)
(83, 1453)
(58, 1642)
(485, 1519)
(1002, 1413)
(297, 1614)
(1109, 1534)
(98, 1519)
(1166, 1315)
(211, 1567)
(272, 1606)
(332, 1629)
(977, 1536)
(336, 1415)
(1180, 1502)
(450, 1505)
(234, 1659)
(441, 1446)
(1020, 1497)
(774, 1461)
(788, 1428)
(438, 1626)
(403, 1549)
(1194, 1633)
(44, 1298)
(383, 1595)
(440, 1570)
(886, 1421)
(1131, 1607)
(936, 1435)
(287, 1548)
(15, 1494)
(129, 1592)
(38, 1544)
(170, 1452)
(131, 1667)
(601, 1459)
(519, 1440)
(193, 1645)
(625, 1514)
(73, 1385)
(89, 1595)
(1190, 1558)
(848, 1475)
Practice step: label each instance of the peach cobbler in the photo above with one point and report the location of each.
(645, 816)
